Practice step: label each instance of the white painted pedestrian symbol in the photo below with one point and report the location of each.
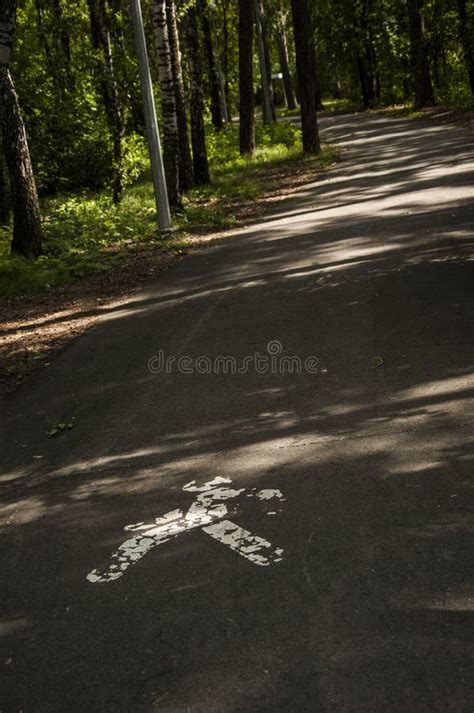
(208, 513)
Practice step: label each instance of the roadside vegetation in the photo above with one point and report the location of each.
(85, 233)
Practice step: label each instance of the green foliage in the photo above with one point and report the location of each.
(59, 429)
(86, 234)
(275, 143)
(346, 29)
(68, 133)
(135, 158)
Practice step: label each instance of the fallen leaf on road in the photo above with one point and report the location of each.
(57, 429)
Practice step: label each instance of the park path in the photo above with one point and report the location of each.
(344, 583)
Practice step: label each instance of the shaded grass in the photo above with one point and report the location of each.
(462, 112)
(330, 106)
(85, 234)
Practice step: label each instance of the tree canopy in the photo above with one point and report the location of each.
(72, 115)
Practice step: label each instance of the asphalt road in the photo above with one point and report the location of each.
(356, 595)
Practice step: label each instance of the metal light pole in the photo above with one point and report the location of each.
(151, 123)
(267, 106)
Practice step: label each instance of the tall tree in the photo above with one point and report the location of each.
(4, 203)
(225, 57)
(466, 40)
(63, 33)
(419, 54)
(130, 98)
(262, 20)
(305, 68)
(26, 213)
(217, 54)
(198, 136)
(290, 96)
(101, 40)
(246, 91)
(213, 73)
(168, 102)
(186, 180)
(365, 54)
(55, 41)
(318, 97)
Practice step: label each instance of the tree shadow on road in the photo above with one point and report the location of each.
(371, 608)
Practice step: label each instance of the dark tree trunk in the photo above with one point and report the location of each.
(127, 77)
(4, 201)
(363, 80)
(63, 34)
(211, 10)
(337, 91)
(285, 67)
(55, 43)
(186, 179)
(44, 40)
(198, 135)
(225, 60)
(365, 57)
(419, 55)
(318, 97)
(468, 49)
(246, 92)
(100, 33)
(304, 48)
(26, 213)
(43, 34)
(267, 53)
(214, 82)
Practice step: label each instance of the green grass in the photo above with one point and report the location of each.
(462, 107)
(334, 106)
(400, 110)
(330, 106)
(85, 234)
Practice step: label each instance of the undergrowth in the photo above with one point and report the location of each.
(85, 234)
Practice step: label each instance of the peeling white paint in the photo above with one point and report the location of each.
(207, 512)
(244, 542)
(269, 494)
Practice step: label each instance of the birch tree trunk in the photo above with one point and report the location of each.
(100, 33)
(285, 65)
(168, 102)
(26, 213)
(246, 92)
(198, 136)
(186, 179)
(305, 68)
(266, 51)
